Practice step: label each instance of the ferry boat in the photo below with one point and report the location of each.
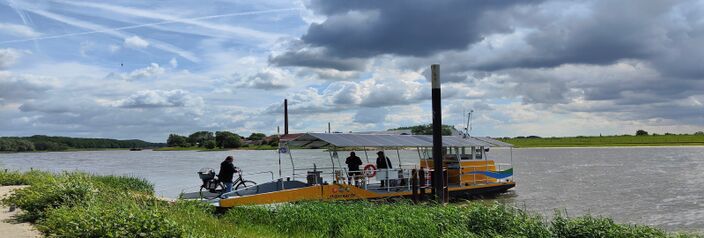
(469, 170)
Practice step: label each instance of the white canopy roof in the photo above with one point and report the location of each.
(362, 140)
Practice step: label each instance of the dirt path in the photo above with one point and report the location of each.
(8, 226)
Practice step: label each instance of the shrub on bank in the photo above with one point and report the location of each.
(52, 192)
(9, 178)
(365, 219)
(588, 226)
(125, 183)
(111, 218)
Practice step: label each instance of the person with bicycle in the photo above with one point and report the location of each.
(227, 171)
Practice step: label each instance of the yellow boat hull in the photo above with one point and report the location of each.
(333, 192)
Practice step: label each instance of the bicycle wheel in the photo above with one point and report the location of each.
(247, 184)
(206, 194)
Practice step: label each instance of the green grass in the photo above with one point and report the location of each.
(83, 205)
(595, 141)
(475, 219)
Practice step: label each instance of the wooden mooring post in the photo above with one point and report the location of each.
(414, 185)
(422, 182)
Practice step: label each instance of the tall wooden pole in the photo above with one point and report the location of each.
(285, 116)
(438, 178)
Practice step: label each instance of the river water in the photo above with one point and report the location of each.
(660, 186)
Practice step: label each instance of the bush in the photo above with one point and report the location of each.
(588, 227)
(125, 183)
(50, 193)
(8, 178)
(115, 218)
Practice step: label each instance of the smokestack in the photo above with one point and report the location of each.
(285, 116)
(438, 178)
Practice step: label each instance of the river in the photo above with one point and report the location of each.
(660, 186)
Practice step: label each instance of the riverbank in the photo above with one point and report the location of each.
(608, 141)
(83, 205)
(9, 226)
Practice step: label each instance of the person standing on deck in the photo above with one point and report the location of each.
(353, 162)
(383, 162)
(227, 171)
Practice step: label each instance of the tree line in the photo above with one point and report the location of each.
(60, 143)
(219, 139)
(425, 129)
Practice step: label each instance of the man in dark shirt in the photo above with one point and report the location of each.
(227, 171)
(353, 162)
(382, 162)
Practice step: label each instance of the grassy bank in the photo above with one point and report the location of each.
(595, 141)
(83, 205)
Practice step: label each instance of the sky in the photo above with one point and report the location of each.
(146, 69)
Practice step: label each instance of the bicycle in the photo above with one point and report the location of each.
(214, 188)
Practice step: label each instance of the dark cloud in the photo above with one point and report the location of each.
(414, 28)
(299, 55)
(355, 31)
(17, 87)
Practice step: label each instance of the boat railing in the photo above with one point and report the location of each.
(393, 179)
(262, 172)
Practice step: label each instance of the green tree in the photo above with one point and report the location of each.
(426, 129)
(641, 133)
(177, 141)
(199, 138)
(226, 139)
(274, 141)
(256, 136)
(209, 144)
(699, 133)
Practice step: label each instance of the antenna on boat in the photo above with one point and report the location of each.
(468, 129)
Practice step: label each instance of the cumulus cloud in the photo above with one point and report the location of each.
(150, 72)
(135, 42)
(18, 30)
(385, 88)
(160, 98)
(8, 57)
(267, 79)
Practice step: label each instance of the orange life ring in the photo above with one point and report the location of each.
(370, 170)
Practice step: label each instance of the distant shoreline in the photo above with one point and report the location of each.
(607, 141)
(606, 146)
